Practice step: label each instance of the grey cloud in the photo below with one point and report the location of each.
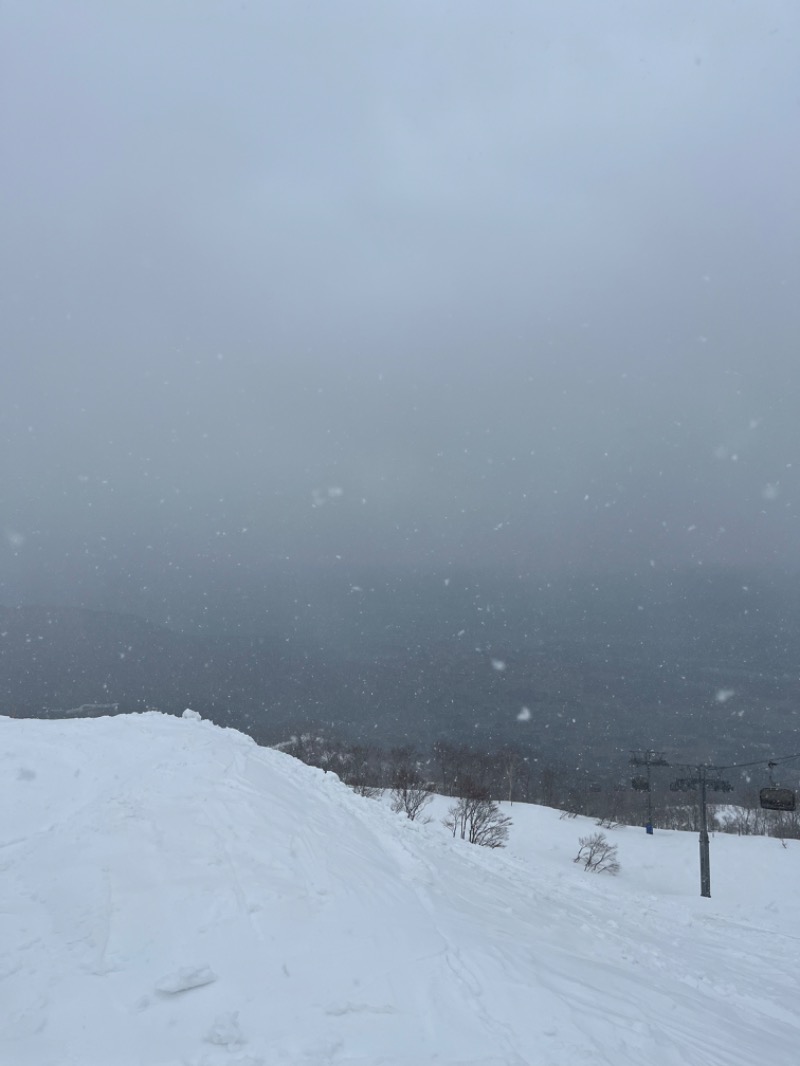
(413, 284)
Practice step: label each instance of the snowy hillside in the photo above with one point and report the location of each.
(173, 895)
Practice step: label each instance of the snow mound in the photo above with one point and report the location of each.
(173, 895)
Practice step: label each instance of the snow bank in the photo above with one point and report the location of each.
(172, 894)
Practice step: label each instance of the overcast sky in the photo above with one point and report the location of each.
(426, 283)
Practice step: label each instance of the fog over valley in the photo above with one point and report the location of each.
(350, 351)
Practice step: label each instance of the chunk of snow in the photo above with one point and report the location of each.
(189, 713)
(185, 978)
(225, 1031)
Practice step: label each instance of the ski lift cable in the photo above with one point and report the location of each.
(757, 762)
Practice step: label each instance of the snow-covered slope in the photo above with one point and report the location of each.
(172, 894)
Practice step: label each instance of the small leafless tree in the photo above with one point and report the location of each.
(785, 825)
(476, 818)
(549, 788)
(410, 794)
(313, 748)
(369, 791)
(745, 819)
(358, 770)
(514, 771)
(460, 767)
(597, 854)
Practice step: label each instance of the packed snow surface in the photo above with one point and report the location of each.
(173, 895)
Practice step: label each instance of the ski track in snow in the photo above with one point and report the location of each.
(172, 895)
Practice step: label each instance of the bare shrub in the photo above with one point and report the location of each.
(785, 825)
(597, 854)
(479, 820)
(410, 794)
(745, 820)
(369, 791)
(359, 769)
(609, 823)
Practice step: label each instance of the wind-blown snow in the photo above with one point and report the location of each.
(173, 895)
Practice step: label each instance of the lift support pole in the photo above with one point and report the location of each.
(701, 780)
(705, 858)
